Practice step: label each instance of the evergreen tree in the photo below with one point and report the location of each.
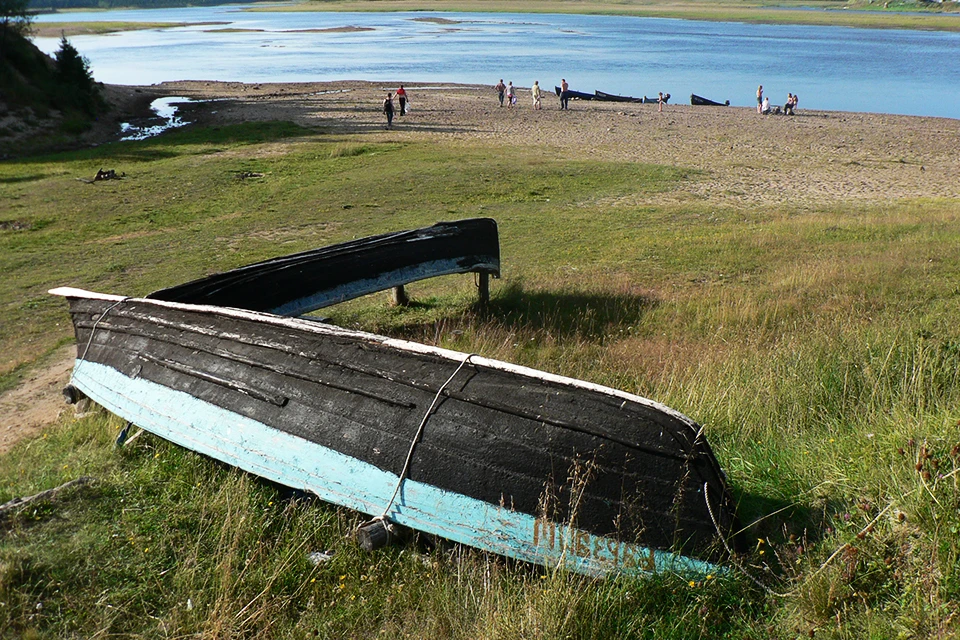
(77, 87)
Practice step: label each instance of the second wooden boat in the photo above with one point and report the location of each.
(303, 282)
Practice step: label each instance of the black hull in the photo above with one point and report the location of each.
(576, 95)
(303, 282)
(609, 97)
(698, 101)
(666, 99)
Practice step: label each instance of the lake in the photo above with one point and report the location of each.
(832, 68)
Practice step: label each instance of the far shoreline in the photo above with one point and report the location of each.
(945, 17)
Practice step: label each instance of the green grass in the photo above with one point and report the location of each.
(820, 348)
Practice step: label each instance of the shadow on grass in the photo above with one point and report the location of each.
(17, 179)
(568, 313)
(177, 142)
(784, 530)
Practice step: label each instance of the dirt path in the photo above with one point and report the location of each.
(37, 402)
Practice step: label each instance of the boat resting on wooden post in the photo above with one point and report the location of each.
(302, 282)
(515, 461)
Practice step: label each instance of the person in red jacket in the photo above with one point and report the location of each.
(402, 99)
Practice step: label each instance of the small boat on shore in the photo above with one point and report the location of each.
(698, 101)
(576, 95)
(519, 462)
(610, 97)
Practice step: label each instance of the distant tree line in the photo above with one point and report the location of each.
(41, 5)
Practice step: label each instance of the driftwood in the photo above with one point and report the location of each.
(16, 503)
(108, 174)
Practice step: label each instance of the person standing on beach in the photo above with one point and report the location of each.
(536, 94)
(660, 102)
(564, 96)
(511, 98)
(402, 97)
(388, 109)
(501, 89)
(759, 98)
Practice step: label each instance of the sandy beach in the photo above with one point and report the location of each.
(812, 158)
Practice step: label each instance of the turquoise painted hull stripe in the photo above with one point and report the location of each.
(343, 480)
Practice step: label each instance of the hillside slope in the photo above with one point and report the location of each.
(45, 103)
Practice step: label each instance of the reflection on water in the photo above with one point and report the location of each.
(166, 119)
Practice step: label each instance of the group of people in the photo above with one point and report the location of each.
(763, 104)
(388, 104)
(507, 93)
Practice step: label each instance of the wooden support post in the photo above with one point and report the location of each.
(72, 395)
(484, 286)
(399, 298)
(375, 534)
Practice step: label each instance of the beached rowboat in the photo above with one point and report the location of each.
(576, 95)
(610, 97)
(698, 101)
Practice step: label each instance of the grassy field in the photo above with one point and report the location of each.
(819, 347)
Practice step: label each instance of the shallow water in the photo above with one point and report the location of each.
(166, 119)
(836, 68)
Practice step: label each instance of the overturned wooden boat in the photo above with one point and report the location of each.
(515, 461)
(699, 101)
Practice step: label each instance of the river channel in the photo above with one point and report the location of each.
(830, 68)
